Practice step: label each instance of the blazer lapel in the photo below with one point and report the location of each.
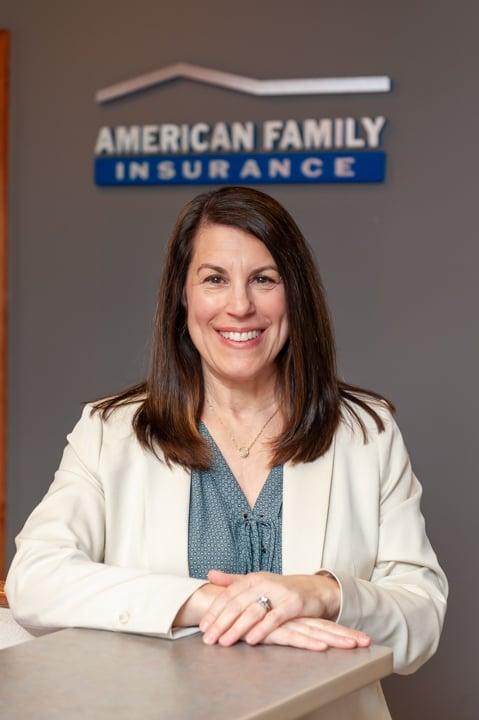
(167, 501)
(306, 490)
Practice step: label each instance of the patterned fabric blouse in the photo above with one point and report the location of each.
(224, 532)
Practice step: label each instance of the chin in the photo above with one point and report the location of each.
(241, 374)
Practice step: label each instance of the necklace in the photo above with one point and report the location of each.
(243, 450)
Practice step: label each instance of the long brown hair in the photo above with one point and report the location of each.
(313, 397)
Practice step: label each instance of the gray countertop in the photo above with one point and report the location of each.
(95, 675)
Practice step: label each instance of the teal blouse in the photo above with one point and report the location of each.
(224, 532)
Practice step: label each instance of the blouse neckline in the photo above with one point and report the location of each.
(219, 459)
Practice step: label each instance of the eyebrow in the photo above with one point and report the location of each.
(217, 268)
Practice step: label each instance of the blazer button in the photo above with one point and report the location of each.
(124, 617)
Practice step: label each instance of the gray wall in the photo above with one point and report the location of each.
(399, 260)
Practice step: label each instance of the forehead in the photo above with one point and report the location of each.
(230, 244)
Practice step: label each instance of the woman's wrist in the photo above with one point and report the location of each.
(196, 606)
(331, 595)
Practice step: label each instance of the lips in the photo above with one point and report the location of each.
(237, 337)
(247, 328)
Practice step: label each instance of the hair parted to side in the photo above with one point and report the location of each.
(313, 397)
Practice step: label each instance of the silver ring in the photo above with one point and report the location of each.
(265, 602)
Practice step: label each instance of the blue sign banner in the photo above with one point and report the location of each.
(241, 168)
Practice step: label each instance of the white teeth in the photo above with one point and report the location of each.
(241, 337)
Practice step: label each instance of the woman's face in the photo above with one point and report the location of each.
(233, 286)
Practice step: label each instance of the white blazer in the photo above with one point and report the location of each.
(107, 547)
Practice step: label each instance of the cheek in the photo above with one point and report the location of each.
(274, 306)
(279, 311)
(200, 309)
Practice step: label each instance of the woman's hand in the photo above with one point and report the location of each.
(235, 614)
(191, 612)
(314, 634)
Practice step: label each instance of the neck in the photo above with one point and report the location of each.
(243, 399)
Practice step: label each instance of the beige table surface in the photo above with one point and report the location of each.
(96, 674)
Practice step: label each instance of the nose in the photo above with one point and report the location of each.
(240, 300)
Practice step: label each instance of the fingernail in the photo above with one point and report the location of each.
(209, 638)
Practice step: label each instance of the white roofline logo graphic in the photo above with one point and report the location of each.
(251, 86)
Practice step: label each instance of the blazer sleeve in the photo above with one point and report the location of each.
(58, 577)
(403, 603)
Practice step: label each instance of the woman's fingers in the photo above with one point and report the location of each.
(234, 617)
(284, 635)
(273, 619)
(236, 609)
(229, 596)
(323, 630)
(253, 614)
(361, 638)
(330, 639)
(301, 633)
(218, 577)
(253, 617)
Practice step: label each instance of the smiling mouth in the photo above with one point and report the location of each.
(240, 336)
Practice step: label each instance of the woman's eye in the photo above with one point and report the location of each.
(264, 280)
(213, 279)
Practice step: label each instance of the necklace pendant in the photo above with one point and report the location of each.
(244, 452)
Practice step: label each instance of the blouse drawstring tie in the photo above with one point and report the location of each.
(254, 535)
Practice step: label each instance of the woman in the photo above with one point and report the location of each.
(243, 487)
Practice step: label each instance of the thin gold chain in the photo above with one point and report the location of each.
(244, 450)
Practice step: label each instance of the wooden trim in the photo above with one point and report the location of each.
(3, 597)
(4, 77)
